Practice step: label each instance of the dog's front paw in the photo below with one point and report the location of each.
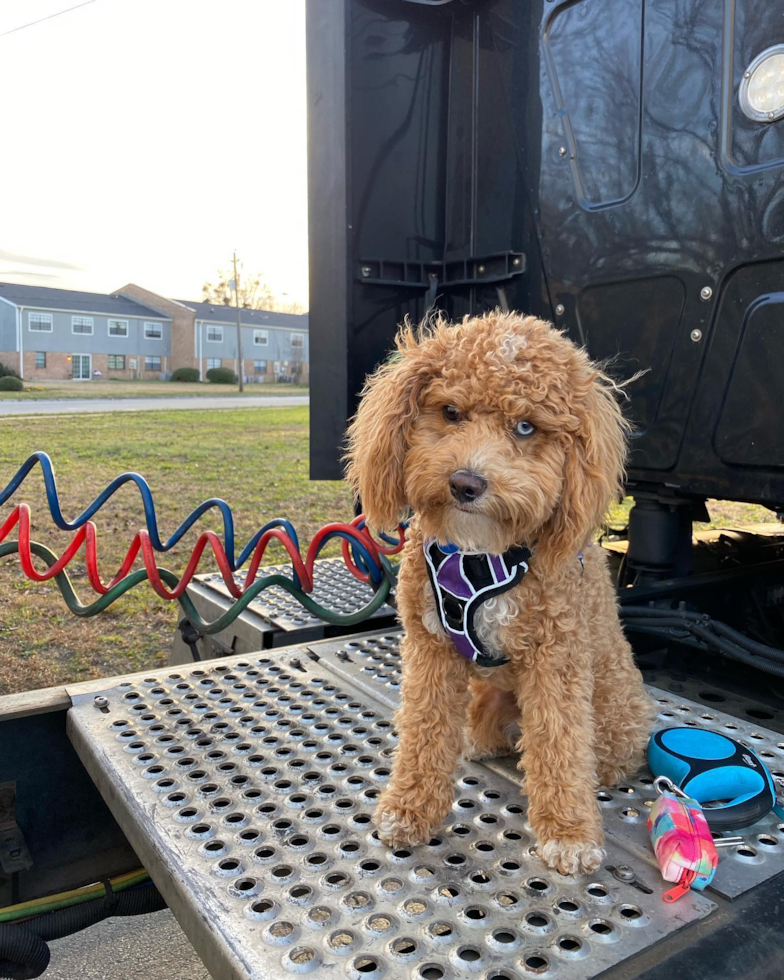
(398, 824)
(571, 857)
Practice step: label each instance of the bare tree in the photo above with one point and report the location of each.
(255, 292)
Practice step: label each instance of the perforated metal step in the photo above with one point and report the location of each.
(373, 663)
(246, 787)
(333, 587)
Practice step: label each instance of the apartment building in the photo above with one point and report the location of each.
(137, 333)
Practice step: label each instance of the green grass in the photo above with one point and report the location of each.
(40, 390)
(256, 459)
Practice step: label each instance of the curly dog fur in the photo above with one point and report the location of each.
(570, 698)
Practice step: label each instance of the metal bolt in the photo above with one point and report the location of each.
(625, 873)
(771, 115)
(696, 336)
(706, 292)
(747, 74)
(480, 269)
(561, 151)
(365, 270)
(516, 261)
(559, 310)
(101, 703)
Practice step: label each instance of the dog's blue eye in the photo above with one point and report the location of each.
(524, 429)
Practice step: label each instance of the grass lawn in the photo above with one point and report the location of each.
(37, 390)
(256, 459)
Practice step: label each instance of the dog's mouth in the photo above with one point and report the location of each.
(467, 508)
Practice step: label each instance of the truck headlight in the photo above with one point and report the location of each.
(761, 92)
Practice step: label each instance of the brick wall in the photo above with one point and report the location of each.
(10, 359)
(183, 321)
(58, 367)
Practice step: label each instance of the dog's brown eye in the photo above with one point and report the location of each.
(524, 429)
(451, 414)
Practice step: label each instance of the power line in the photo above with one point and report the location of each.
(49, 17)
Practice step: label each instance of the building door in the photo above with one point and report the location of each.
(81, 367)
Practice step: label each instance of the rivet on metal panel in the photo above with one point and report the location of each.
(101, 703)
(706, 292)
(696, 336)
(365, 270)
(561, 151)
(559, 310)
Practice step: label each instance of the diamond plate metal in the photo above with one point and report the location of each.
(373, 663)
(334, 587)
(246, 787)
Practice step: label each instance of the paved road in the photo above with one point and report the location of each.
(76, 406)
(145, 947)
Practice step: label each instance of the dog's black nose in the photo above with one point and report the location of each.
(466, 486)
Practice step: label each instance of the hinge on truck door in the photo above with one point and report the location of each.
(475, 271)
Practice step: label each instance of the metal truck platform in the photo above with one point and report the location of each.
(246, 785)
(275, 618)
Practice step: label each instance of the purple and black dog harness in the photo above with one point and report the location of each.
(462, 581)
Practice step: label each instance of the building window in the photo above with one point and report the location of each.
(297, 341)
(40, 359)
(152, 364)
(39, 322)
(82, 325)
(213, 362)
(260, 338)
(116, 362)
(118, 328)
(215, 335)
(259, 367)
(153, 331)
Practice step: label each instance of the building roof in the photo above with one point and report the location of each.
(43, 297)
(217, 313)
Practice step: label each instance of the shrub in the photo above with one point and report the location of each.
(7, 372)
(11, 383)
(222, 376)
(185, 374)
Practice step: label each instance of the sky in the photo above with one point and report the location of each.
(144, 140)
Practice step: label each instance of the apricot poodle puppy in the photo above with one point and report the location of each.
(508, 445)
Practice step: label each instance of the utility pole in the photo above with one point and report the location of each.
(239, 321)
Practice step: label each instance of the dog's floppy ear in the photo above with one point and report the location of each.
(594, 470)
(378, 434)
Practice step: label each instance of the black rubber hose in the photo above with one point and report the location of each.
(738, 653)
(23, 950)
(760, 649)
(23, 954)
(710, 639)
(686, 619)
(64, 922)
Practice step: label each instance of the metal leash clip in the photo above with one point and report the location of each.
(663, 784)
